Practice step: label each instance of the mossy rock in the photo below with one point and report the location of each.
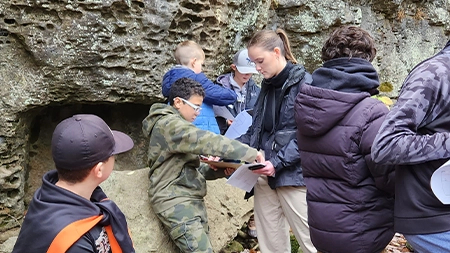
(295, 247)
(409, 247)
(386, 87)
(233, 247)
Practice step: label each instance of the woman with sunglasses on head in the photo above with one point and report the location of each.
(280, 193)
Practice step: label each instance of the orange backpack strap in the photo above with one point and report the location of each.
(71, 233)
(115, 247)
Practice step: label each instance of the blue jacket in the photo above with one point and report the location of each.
(214, 95)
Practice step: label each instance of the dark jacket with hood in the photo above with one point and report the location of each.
(248, 94)
(246, 99)
(416, 137)
(54, 209)
(214, 95)
(350, 199)
(274, 107)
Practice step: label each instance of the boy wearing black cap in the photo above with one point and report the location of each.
(70, 212)
(177, 178)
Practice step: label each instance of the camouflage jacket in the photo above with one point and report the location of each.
(410, 138)
(176, 174)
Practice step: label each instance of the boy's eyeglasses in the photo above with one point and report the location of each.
(195, 107)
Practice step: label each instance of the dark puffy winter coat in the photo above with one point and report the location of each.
(350, 199)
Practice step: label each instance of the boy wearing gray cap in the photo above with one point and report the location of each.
(240, 81)
(70, 212)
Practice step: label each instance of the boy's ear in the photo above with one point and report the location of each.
(233, 67)
(97, 170)
(192, 62)
(177, 102)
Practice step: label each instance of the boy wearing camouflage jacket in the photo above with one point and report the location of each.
(177, 178)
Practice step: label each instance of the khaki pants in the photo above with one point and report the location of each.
(276, 211)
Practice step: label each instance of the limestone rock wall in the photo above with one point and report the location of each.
(103, 52)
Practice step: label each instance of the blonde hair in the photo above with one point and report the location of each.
(269, 39)
(188, 50)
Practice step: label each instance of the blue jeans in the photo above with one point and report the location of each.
(430, 243)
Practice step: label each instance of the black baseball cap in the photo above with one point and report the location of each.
(83, 140)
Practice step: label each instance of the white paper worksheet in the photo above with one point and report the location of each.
(240, 125)
(440, 183)
(243, 178)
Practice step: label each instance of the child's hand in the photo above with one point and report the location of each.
(260, 158)
(214, 158)
(229, 171)
(229, 121)
(210, 158)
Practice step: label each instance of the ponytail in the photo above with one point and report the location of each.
(286, 46)
(269, 39)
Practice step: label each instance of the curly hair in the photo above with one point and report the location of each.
(349, 41)
(185, 88)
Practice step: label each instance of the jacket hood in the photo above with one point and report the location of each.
(175, 73)
(224, 80)
(318, 110)
(61, 208)
(157, 110)
(352, 75)
(336, 88)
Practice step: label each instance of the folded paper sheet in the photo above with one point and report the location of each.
(440, 183)
(240, 125)
(243, 178)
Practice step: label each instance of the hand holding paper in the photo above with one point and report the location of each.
(240, 125)
(243, 178)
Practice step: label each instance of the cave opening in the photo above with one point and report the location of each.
(126, 118)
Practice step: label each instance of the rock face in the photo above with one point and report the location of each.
(227, 211)
(108, 57)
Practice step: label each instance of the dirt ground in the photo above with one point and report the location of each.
(397, 245)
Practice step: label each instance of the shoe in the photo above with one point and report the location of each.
(251, 227)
